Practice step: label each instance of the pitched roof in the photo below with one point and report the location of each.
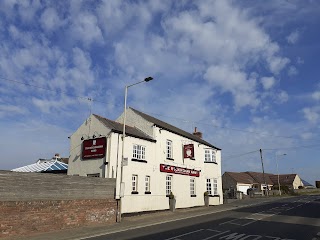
(258, 177)
(241, 177)
(172, 128)
(118, 128)
(43, 165)
(284, 179)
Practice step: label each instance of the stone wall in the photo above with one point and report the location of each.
(34, 202)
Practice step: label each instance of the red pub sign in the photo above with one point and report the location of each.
(179, 170)
(94, 148)
(188, 151)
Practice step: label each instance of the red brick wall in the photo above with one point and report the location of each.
(27, 217)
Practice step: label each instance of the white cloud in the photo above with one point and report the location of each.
(282, 97)
(316, 95)
(50, 20)
(85, 28)
(236, 82)
(276, 64)
(307, 135)
(268, 82)
(293, 37)
(292, 71)
(311, 114)
(8, 109)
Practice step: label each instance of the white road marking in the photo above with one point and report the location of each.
(185, 234)
(219, 234)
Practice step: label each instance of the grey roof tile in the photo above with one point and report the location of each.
(172, 128)
(118, 128)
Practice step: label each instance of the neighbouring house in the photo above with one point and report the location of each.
(242, 181)
(292, 181)
(55, 165)
(159, 158)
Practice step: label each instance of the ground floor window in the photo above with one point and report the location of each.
(147, 184)
(134, 183)
(212, 186)
(215, 186)
(168, 184)
(209, 186)
(192, 187)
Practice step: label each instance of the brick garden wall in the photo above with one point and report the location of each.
(34, 202)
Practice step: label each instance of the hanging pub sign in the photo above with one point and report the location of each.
(188, 151)
(94, 148)
(179, 170)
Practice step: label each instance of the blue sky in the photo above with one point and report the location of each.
(246, 73)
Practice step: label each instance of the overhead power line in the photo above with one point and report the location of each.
(51, 90)
(222, 127)
(155, 114)
(240, 155)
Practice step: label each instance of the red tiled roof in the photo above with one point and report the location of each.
(241, 177)
(285, 179)
(257, 177)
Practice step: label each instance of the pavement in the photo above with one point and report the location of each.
(141, 220)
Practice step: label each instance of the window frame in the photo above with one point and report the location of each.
(210, 155)
(134, 184)
(169, 149)
(139, 152)
(215, 186)
(147, 179)
(193, 187)
(209, 186)
(168, 184)
(212, 186)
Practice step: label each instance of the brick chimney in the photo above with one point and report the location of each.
(196, 133)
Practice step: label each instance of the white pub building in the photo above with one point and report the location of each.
(159, 159)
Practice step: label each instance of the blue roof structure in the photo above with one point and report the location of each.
(43, 165)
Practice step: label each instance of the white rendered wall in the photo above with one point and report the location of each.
(155, 155)
(76, 165)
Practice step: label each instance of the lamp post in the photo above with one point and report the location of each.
(123, 139)
(278, 170)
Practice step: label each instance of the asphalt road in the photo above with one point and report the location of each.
(288, 219)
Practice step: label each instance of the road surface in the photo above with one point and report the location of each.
(287, 219)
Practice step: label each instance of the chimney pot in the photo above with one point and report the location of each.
(196, 133)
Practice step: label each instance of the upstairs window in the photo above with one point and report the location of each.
(139, 152)
(169, 149)
(209, 155)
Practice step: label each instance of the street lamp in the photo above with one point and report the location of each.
(278, 170)
(123, 139)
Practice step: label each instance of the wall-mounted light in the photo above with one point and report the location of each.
(83, 136)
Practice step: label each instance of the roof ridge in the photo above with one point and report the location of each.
(172, 128)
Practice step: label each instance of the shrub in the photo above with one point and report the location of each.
(171, 196)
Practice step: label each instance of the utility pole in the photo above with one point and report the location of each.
(264, 179)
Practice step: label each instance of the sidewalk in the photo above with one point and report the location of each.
(143, 220)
